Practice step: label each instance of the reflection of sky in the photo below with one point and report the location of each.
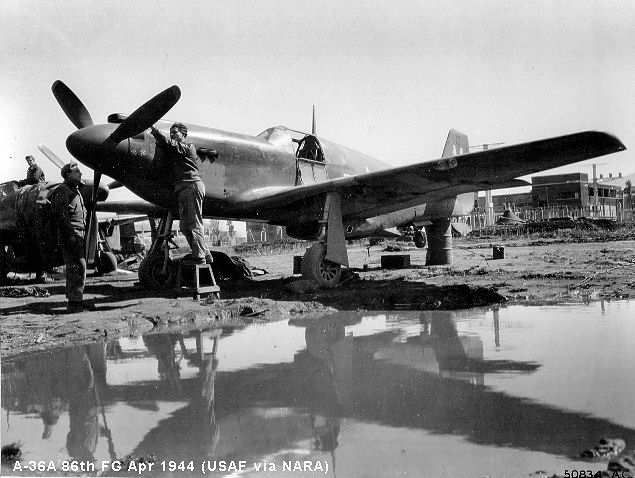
(584, 355)
(259, 345)
(587, 359)
(127, 424)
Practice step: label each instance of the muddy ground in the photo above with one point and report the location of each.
(534, 270)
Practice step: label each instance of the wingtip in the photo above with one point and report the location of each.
(176, 92)
(609, 140)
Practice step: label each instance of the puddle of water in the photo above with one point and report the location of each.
(471, 393)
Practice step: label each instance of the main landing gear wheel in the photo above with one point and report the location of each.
(151, 272)
(106, 262)
(316, 268)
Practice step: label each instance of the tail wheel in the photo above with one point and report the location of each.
(151, 272)
(316, 268)
(420, 239)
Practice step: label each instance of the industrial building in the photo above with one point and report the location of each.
(569, 194)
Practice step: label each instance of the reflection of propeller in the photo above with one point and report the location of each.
(55, 159)
(147, 114)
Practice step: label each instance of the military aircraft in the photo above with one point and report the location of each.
(27, 231)
(318, 189)
(27, 234)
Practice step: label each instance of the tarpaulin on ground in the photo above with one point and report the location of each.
(26, 220)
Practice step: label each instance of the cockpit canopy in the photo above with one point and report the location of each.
(302, 145)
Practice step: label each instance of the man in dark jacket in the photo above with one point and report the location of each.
(70, 217)
(180, 160)
(34, 173)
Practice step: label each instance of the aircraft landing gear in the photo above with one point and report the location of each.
(322, 263)
(105, 262)
(151, 274)
(419, 238)
(156, 270)
(315, 267)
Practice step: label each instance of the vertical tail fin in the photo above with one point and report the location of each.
(457, 143)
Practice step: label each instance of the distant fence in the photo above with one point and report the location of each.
(478, 218)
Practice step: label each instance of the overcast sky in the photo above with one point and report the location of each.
(387, 78)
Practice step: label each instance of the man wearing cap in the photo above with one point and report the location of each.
(34, 173)
(180, 160)
(70, 217)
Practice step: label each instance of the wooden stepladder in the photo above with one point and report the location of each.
(202, 280)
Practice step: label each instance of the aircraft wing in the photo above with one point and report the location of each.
(130, 207)
(388, 190)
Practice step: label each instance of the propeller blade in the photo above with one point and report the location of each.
(96, 179)
(51, 156)
(114, 185)
(91, 237)
(147, 114)
(71, 105)
(90, 242)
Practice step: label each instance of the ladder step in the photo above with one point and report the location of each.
(197, 273)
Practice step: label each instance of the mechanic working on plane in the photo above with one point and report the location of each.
(180, 161)
(70, 217)
(34, 173)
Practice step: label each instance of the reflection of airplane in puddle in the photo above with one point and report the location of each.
(418, 373)
(440, 349)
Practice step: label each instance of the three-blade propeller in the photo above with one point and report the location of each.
(140, 120)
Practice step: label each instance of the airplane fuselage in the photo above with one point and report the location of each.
(236, 168)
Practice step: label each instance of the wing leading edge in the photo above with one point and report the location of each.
(396, 188)
(130, 207)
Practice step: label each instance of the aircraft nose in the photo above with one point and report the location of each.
(91, 145)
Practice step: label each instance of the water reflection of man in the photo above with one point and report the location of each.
(162, 345)
(331, 375)
(326, 435)
(86, 380)
(208, 367)
(50, 416)
(42, 392)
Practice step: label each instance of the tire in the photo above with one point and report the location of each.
(106, 263)
(150, 272)
(314, 267)
(420, 239)
(4, 266)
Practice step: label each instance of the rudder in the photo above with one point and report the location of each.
(456, 144)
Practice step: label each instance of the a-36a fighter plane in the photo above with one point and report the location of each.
(319, 190)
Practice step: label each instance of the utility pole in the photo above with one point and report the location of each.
(489, 205)
(595, 191)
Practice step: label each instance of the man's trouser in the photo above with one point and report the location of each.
(190, 195)
(75, 270)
